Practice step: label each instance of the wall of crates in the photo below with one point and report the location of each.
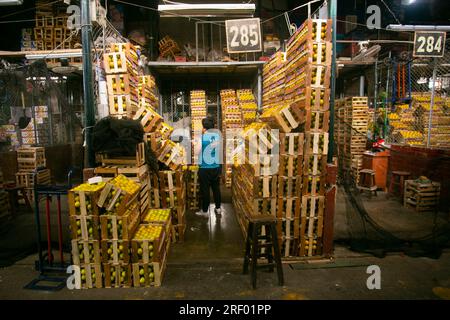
(296, 102)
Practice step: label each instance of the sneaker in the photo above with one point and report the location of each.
(218, 211)
(202, 214)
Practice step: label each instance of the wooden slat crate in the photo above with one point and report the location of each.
(121, 84)
(308, 31)
(310, 246)
(151, 249)
(157, 216)
(155, 199)
(421, 196)
(179, 213)
(317, 121)
(115, 200)
(118, 275)
(288, 246)
(154, 140)
(115, 251)
(30, 158)
(169, 180)
(120, 227)
(117, 62)
(149, 119)
(290, 166)
(315, 99)
(26, 179)
(122, 106)
(316, 143)
(288, 227)
(291, 144)
(149, 274)
(285, 118)
(91, 276)
(86, 252)
(171, 198)
(178, 232)
(259, 187)
(289, 207)
(135, 161)
(312, 216)
(85, 227)
(315, 164)
(172, 155)
(83, 202)
(314, 185)
(290, 186)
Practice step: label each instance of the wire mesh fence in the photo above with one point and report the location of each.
(418, 100)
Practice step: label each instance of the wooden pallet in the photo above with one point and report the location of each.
(85, 252)
(120, 227)
(115, 251)
(85, 227)
(91, 276)
(26, 179)
(30, 158)
(291, 144)
(118, 275)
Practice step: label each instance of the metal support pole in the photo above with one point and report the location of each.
(88, 90)
(387, 98)
(196, 42)
(332, 9)
(259, 88)
(433, 90)
(375, 94)
(361, 86)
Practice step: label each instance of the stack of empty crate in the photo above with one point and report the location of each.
(121, 68)
(193, 187)
(422, 196)
(31, 163)
(351, 134)
(51, 30)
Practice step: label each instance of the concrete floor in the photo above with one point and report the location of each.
(208, 264)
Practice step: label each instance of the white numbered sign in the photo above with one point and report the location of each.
(243, 35)
(429, 44)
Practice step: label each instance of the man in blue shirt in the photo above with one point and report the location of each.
(209, 167)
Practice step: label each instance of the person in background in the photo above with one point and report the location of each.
(209, 173)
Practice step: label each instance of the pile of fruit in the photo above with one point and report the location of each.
(148, 232)
(89, 187)
(125, 184)
(157, 215)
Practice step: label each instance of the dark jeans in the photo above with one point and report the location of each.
(209, 178)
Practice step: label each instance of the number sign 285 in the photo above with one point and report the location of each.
(429, 44)
(243, 35)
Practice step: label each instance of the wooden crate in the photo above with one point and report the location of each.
(307, 32)
(288, 246)
(86, 252)
(151, 250)
(30, 158)
(154, 140)
(169, 180)
(316, 143)
(115, 251)
(317, 121)
(149, 274)
(290, 166)
(118, 275)
(149, 119)
(315, 164)
(172, 155)
(286, 117)
(91, 276)
(259, 187)
(85, 227)
(262, 206)
(26, 179)
(421, 196)
(310, 246)
(290, 186)
(157, 216)
(83, 202)
(288, 227)
(172, 198)
(122, 106)
(120, 227)
(137, 160)
(115, 200)
(314, 185)
(179, 213)
(315, 99)
(121, 84)
(117, 62)
(178, 232)
(289, 207)
(291, 144)
(311, 221)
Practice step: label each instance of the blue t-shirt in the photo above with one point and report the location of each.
(210, 154)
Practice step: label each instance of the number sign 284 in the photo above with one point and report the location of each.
(429, 44)
(243, 35)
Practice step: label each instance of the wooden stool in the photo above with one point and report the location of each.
(14, 196)
(253, 246)
(367, 181)
(400, 182)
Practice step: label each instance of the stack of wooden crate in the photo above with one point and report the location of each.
(192, 187)
(231, 120)
(31, 162)
(51, 28)
(423, 196)
(148, 92)
(172, 192)
(121, 68)
(198, 113)
(248, 106)
(274, 80)
(351, 133)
